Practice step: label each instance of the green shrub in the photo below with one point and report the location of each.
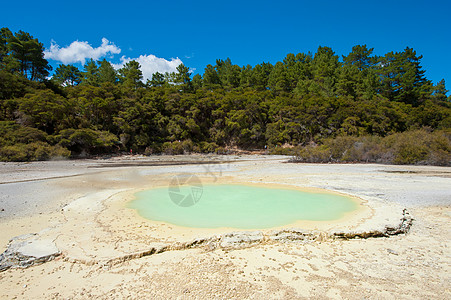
(420, 146)
(32, 152)
(155, 148)
(282, 151)
(16, 152)
(410, 153)
(314, 154)
(439, 158)
(172, 148)
(340, 146)
(178, 147)
(206, 147)
(366, 149)
(416, 147)
(220, 150)
(87, 140)
(187, 146)
(12, 133)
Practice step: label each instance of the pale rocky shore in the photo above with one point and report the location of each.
(66, 233)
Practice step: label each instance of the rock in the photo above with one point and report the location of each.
(290, 235)
(240, 239)
(392, 252)
(25, 251)
(402, 228)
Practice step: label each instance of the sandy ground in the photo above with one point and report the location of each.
(80, 206)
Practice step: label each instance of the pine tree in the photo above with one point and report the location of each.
(440, 91)
(91, 74)
(67, 75)
(131, 75)
(107, 74)
(183, 77)
(157, 79)
(27, 56)
(402, 78)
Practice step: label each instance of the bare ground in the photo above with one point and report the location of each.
(416, 265)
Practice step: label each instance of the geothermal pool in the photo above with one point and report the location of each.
(238, 206)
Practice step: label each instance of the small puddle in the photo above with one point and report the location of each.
(238, 206)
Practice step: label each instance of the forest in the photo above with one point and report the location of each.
(317, 107)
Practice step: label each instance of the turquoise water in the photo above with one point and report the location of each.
(239, 206)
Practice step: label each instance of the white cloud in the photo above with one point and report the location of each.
(151, 64)
(80, 51)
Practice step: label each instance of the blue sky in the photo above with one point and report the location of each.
(249, 32)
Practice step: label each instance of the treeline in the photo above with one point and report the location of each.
(306, 99)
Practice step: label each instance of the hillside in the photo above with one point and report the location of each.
(319, 107)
